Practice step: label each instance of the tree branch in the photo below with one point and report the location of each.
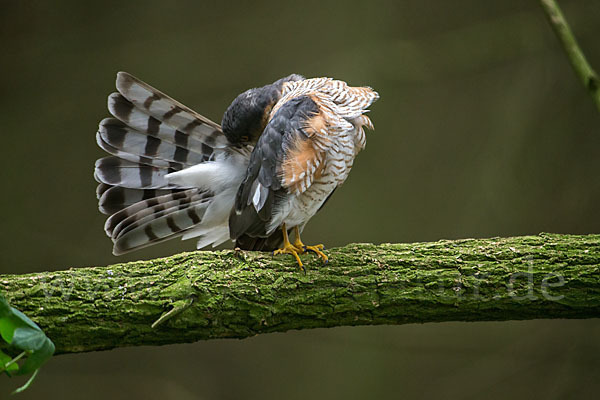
(225, 294)
(583, 69)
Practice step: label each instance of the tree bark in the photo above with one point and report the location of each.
(226, 294)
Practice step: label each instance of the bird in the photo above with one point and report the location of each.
(278, 155)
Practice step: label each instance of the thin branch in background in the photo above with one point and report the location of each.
(586, 74)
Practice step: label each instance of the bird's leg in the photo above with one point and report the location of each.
(317, 248)
(288, 248)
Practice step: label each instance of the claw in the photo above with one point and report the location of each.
(317, 250)
(290, 250)
(298, 248)
(302, 248)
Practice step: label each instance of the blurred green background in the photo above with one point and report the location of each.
(482, 130)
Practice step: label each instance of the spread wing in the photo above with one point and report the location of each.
(285, 160)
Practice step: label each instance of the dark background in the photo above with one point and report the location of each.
(482, 130)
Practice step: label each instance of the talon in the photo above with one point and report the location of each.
(302, 248)
(288, 248)
(298, 248)
(317, 250)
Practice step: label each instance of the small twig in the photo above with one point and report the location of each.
(586, 74)
(178, 307)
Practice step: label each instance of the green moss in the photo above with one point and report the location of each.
(224, 294)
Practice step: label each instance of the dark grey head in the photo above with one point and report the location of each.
(247, 116)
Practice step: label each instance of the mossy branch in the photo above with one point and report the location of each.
(225, 294)
(582, 68)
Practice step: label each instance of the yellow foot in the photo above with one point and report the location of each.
(318, 250)
(289, 248)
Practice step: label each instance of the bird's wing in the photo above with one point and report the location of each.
(288, 156)
(312, 118)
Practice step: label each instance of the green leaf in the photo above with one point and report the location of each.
(24, 334)
(7, 325)
(12, 319)
(38, 357)
(5, 359)
(5, 308)
(7, 329)
(26, 338)
(24, 319)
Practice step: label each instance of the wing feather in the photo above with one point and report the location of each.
(266, 182)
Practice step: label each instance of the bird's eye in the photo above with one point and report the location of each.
(245, 138)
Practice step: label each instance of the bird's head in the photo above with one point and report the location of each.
(247, 116)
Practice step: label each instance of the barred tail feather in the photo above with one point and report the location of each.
(116, 219)
(157, 219)
(138, 119)
(193, 213)
(214, 228)
(149, 215)
(173, 223)
(101, 189)
(150, 139)
(116, 171)
(136, 159)
(113, 199)
(170, 112)
(118, 137)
